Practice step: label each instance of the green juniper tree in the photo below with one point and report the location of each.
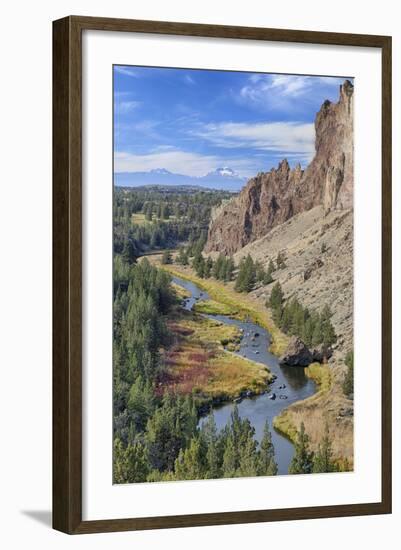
(130, 463)
(348, 384)
(267, 465)
(246, 277)
(276, 302)
(213, 453)
(302, 462)
(190, 463)
(323, 459)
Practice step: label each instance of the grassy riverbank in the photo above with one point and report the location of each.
(198, 361)
(285, 421)
(243, 304)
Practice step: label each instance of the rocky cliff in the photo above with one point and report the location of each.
(272, 198)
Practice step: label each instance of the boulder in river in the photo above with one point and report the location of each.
(297, 354)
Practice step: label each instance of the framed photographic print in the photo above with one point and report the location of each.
(222, 275)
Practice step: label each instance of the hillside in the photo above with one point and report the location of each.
(307, 217)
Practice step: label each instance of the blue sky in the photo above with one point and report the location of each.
(193, 121)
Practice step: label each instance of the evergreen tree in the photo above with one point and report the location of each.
(218, 266)
(167, 258)
(165, 212)
(276, 303)
(260, 273)
(268, 278)
(140, 404)
(248, 459)
(229, 458)
(171, 427)
(280, 261)
(229, 270)
(302, 462)
(190, 463)
(208, 268)
(149, 212)
(267, 465)
(129, 253)
(246, 277)
(323, 459)
(348, 384)
(199, 264)
(130, 465)
(317, 335)
(210, 437)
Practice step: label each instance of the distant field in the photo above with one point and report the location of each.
(138, 218)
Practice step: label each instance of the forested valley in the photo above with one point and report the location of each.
(157, 434)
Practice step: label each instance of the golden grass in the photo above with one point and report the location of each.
(197, 362)
(321, 375)
(287, 420)
(243, 303)
(282, 423)
(180, 292)
(232, 375)
(212, 307)
(138, 218)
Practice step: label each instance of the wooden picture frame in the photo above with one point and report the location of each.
(67, 273)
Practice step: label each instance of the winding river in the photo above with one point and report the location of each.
(290, 386)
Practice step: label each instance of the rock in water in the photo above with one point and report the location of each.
(297, 354)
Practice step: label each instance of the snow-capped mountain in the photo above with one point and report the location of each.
(160, 171)
(221, 178)
(224, 171)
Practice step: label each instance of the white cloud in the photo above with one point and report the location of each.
(279, 90)
(177, 161)
(283, 137)
(124, 107)
(127, 71)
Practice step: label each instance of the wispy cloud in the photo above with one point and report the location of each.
(283, 137)
(284, 90)
(127, 71)
(189, 80)
(124, 107)
(177, 161)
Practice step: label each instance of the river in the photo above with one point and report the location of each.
(290, 386)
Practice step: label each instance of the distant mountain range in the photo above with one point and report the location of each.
(223, 178)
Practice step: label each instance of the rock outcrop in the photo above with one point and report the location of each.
(272, 198)
(297, 354)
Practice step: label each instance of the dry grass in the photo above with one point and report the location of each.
(180, 292)
(138, 218)
(244, 304)
(321, 408)
(321, 375)
(211, 307)
(197, 363)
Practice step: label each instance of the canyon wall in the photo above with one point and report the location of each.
(272, 198)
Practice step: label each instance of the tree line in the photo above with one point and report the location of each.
(293, 318)
(155, 432)
(175, 217)
(306, 461)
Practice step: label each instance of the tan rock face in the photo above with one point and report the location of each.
(274, 197)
